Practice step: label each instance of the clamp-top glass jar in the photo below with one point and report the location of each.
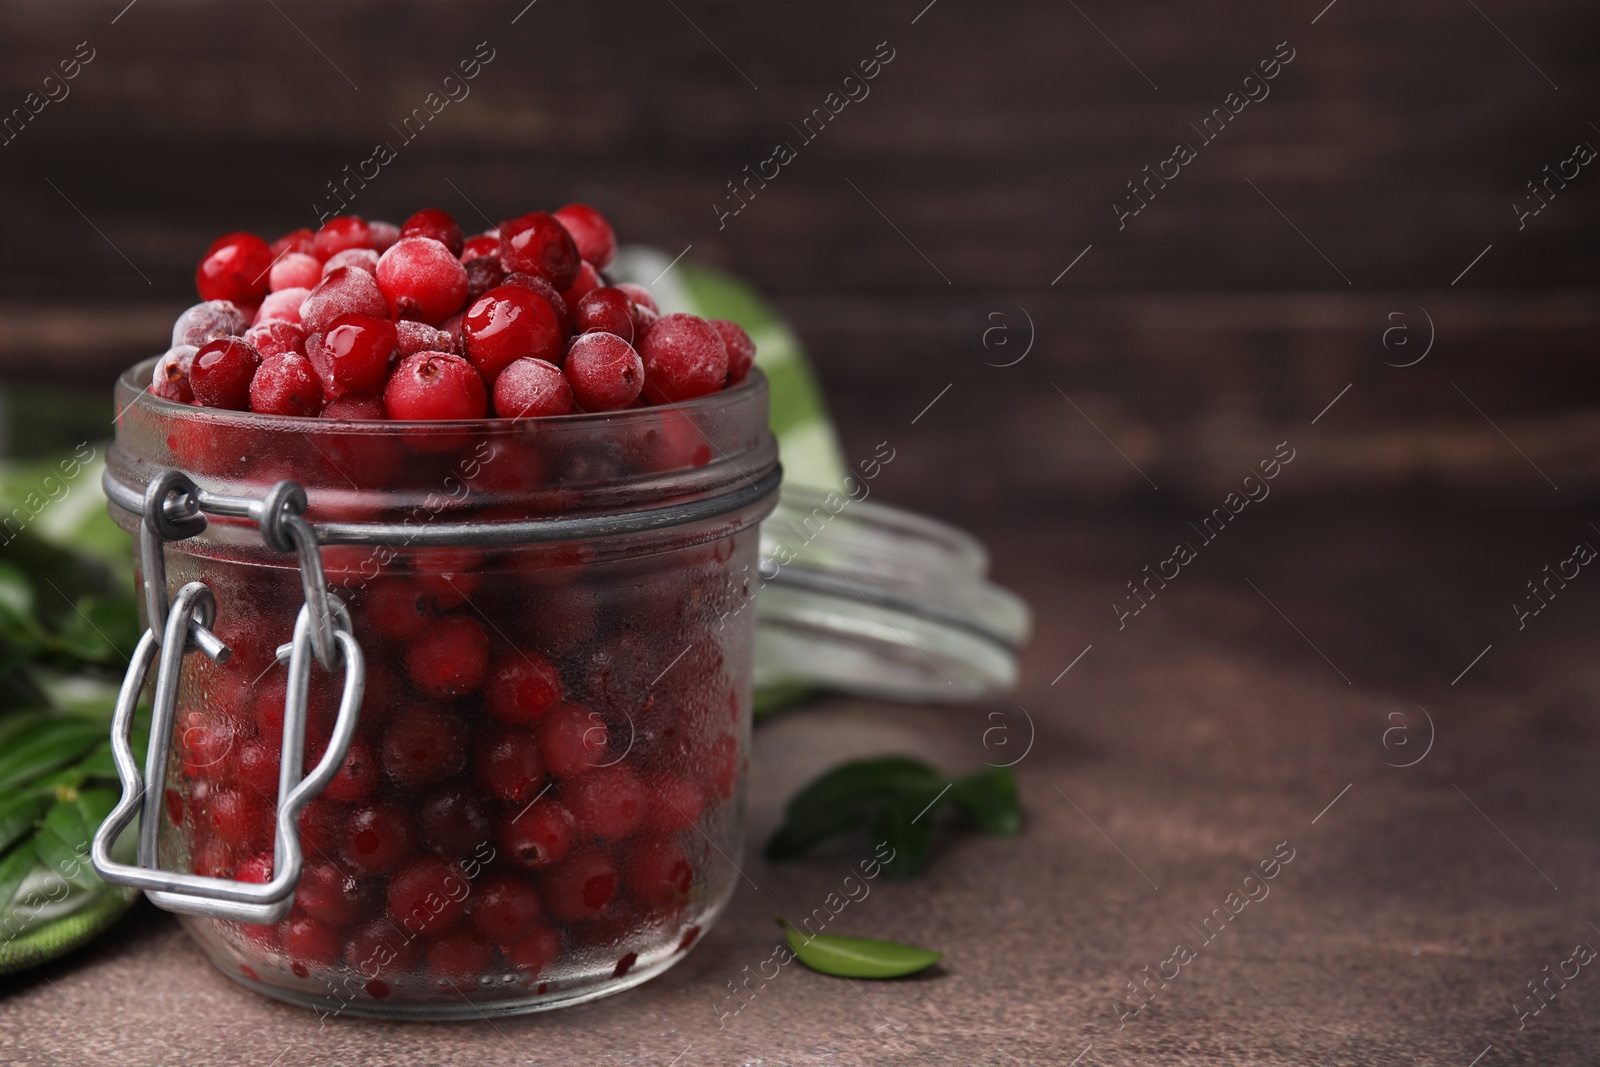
(539, 799)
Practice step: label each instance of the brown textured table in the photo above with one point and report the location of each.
(1215, 726)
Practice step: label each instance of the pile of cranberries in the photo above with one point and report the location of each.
(368, 320)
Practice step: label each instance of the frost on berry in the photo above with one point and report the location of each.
(345, 291)
(282, 306)
(170, 380)
(211, 319)
(361, 258)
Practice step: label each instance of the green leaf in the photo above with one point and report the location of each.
(14, 868)
(19, 813)
(846, 798)
(103, 630)
(54, 744)
(989, 798)
(858, 957)
(63, 843)
(910, 837)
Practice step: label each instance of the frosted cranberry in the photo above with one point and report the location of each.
(427, 896)
(330, 895)
(659, 873)
(356, 407)
(283, 306)
(539, 835)
(358, 774)
(362, 259)
(344, 291)
(509, 766)
(574, 739)
(417, 337)
(397, 608)
(453, 824)
(508, 323)
(741, 350)
(338, 234)
(537, 244)
(294, 271)
(483, 246)
(448, 574)
(309, 943)
(675, 805)
(590, 231)
(435, 385)
(557, 302)
(533, 952)
(384, 235)
(580, 886)
(277, 338)
(588, 281)
(234, 268)
(606, 309)
(606, 801)
(449, 658)
(353, 355)
(522, 687)
(684, 357)
(528, 388)
(381, 948)
(453, 327)
(483, 273)
(170, 379)
(433, 223)
(321, 826)
(605, 372)
(505, 908)
(639, 295)
(460, 956)
(208, 321)
(422, 279)
(303, 242)
(257, 769)
(424, 745)
(221, 372)
(240, 820)
(286, 385)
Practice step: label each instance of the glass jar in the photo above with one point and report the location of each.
(541, 801)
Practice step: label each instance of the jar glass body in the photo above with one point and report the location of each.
(543, 802)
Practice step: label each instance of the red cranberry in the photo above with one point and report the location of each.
(235, 268)
(448, 574)
(684, 357)
(580, 886)
(675, 805)
(241, 820)
(537, 244)
(449, 658)
(338, 234)
(353, 355)
(574, 739)
(539, 835)
(508, 323)
(484, 245)
(483, 273)
(460, 956)
(528, 388)
(533, 952)
(295, 271)
(345, 291)
(422, 279)
(454, 824)
(358, 775)
(428, 896)
(522, 687)
(435, 385)
(607, 801)
(557, 303)
(606, 309)
(380, 948)
(221, 372)
(286, 385)
(356, 407)
(174, 803)
(509, 766)
(384, 235)
(362, 259)
(420, 337)
(605, 372)
(438, 225)
(310, 943)
(257, 765)
(424, 745)
(330, 895)
(639, 295)
(277, 338)
(170, 380)
(321, 826)
(208, 321)
(397, 608)
(301, 241)
(588, 281)
(741, 350)
(283, 306)
(659, 873)
(505, 908)
(377, 837)
(590, 232)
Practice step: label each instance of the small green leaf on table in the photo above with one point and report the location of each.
(857, 957)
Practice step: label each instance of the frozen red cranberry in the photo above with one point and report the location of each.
(338, 234)
(639, 295)
(557, 302)
(295, 270)
(208, 321)
(422, 279)
(580, 886)
(537, 244)
(428, 896)
(538, 835)
(659, 873)
(448, 574)
(574, 739)
(243, 820)
(460, 956)
(605, 372)
(533, 952)
(345, 291)
(234, 268)
(606, 801)
(741, 350)
(321, 826)
(508, 323)
(362, 259)
(286, 385)
(424, 745)
(302, 241)
(384, 235)
(675, 804)
(330, 895)
(381, 948)
(435, 385)
(277, 338)
(355, 407)
(606, 309)
(436, 224)
(590, 232)
(505, 908)
(377, 838)
(684, 357)
(358, 774)
(449, 658)
(509, 765)
(397, 608)
(417, 337)
(454, 824)
(588, 281)
(483, 273)
(528, 388)
(283, 306)
(309, 943)
(256, 764)
(221, 372)
(170, 380)
(354, 355)
(453, 327)
(522, 687)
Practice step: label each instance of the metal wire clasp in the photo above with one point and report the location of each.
(175, 508)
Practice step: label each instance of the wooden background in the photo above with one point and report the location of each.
(996, 141)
